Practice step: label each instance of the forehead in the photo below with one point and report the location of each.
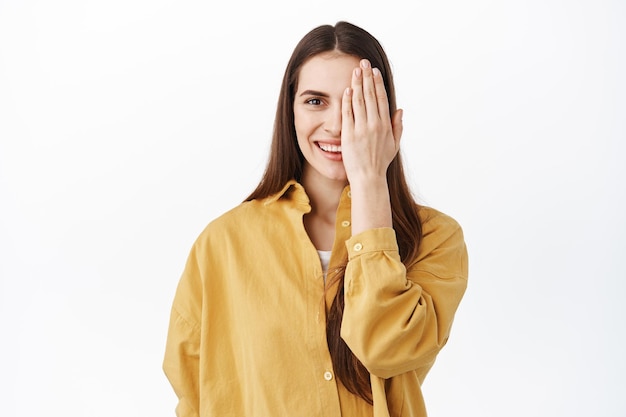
(327, 72)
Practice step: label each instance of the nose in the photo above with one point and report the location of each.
(332, 124)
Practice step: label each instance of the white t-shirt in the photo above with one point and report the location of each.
(325, 259)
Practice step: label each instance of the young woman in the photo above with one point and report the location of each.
(329, 291)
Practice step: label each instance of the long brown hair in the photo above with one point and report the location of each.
(286, 163)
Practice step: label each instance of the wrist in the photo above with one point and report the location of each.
(367, 184)
(371, 206)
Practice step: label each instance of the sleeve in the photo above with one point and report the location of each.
(397, 320)
(181, 363)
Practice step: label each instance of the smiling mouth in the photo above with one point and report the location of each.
(329, 148)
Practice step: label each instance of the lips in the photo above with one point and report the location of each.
(331, 151)
(328, 147)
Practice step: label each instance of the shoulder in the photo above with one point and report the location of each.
(443, 243)
(434, 220)
(254, 218)
(232, 220)
(291, 196)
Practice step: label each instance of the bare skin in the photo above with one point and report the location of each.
(356, 118)
(371, 139)
(320, 222)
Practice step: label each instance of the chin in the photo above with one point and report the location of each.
(336, 176)
(324, 172)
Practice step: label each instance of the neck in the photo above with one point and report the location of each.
(324, 194)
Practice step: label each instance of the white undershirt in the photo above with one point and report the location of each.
(325, 259)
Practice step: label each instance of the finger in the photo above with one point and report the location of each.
(358, 103)
(397, 126)
(347, 115)
(369, 91)
(381, 95)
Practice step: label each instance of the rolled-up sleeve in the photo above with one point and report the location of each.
(396, 320)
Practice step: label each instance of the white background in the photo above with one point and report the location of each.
(127, 125)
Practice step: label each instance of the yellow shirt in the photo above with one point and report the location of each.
(247, 334)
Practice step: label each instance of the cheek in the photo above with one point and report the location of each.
(301, 123)
(298, 126)
(297, 116)
(307, 122)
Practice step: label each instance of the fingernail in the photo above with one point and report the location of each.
(365, 63)
(376, 72)
(357, 72)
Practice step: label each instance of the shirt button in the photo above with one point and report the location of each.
(358, 247)
(328, 375)
(345, 223)
(349, 194)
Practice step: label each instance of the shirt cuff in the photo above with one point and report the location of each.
(373, 240)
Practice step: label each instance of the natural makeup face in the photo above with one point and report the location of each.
(317, 113)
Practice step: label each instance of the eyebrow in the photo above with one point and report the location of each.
(313, 93)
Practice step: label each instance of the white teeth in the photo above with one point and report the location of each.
(330, 148)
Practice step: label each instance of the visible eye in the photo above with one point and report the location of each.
(314, 101)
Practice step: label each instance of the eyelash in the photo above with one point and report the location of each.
(317, 100)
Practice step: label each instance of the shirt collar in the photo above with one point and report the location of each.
(294, 191)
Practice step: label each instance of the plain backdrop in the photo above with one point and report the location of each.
(127, 125)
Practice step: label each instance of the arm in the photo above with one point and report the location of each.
(182, 353)
(370, 139)
(394, 320)
(397, 320)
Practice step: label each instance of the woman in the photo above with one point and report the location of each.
(329, 291)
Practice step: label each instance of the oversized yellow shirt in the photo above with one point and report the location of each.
(247, 335)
